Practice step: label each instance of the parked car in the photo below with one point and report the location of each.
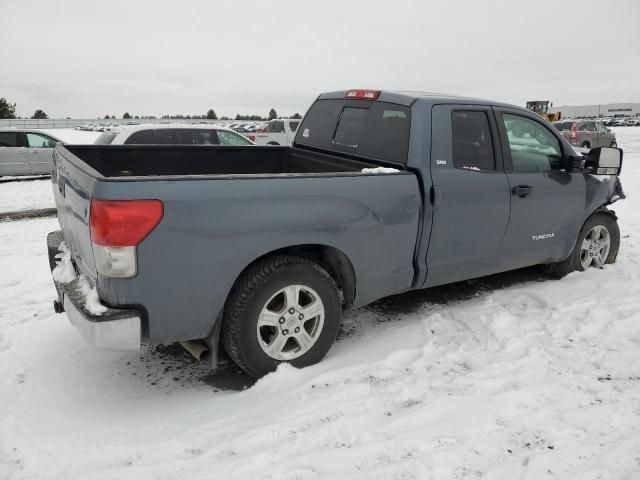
(279, 132)
(26, 152)
(631, 122)
(172, 134)
(586, 133)
(260, 249)
(618, 122)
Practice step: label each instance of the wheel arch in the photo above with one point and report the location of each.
(333, 260)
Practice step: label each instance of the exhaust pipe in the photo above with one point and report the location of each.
(196, 348)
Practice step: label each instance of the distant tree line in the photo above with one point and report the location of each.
(8, 110)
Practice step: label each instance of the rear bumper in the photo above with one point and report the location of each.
(116, 329)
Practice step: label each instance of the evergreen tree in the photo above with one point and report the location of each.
(211, 115)
(126, 116)
(273, 114)
(39, 114)
(6, 109)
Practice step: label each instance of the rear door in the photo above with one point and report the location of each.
(547, 203)
(40, 148)
(14, 159)
(605, 137)
(470, 194)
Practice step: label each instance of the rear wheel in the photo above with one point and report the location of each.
(613, 144)
(585, 145)
(597, 245)
(284, 309)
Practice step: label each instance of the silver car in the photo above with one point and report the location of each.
(26, 152)
(586, 133)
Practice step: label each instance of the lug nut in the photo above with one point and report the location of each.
(281, 320)
(297, 329)
(300, 317)
(285, 332)
(291, 310)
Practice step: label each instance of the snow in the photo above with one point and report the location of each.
(25, 195)
(92, 301)
(69, 135)
(511, 376)
(64, 272)
(379, 170)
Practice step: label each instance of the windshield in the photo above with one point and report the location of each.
(560, 126)
(105, 138)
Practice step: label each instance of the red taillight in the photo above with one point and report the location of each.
(123, 223)
(363, 94)
(574, 132)
(251, 137)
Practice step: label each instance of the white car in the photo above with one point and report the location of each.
(631, 122)
(280, 131)
(172, 134)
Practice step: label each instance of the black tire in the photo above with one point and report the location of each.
(254, 289)
(560, 269)
(614, 144)
(585, 145)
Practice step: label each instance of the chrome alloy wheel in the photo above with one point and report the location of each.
(290, 322)
(595, 247)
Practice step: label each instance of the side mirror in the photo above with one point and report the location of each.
(604, 160)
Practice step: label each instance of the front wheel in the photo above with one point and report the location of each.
(283, 309)
(597, 245)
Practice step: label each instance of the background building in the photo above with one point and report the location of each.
(598, 111)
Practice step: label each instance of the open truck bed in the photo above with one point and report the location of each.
(182, 160)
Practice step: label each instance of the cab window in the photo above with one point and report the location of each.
(9, 139)
(533, 148)
(230, 138)
(472, 143)
(37, 140)
(588, 127)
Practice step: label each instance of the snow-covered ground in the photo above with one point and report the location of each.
(511, 377)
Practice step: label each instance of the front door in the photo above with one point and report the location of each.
(40, 149)
(470, 194)
(14, 159)
(547, 203)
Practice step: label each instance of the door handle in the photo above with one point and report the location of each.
(521, 190)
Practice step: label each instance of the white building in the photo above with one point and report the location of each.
(598, 111)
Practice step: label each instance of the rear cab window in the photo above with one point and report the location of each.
(371, 129)
(563, 126)
(10, 139)
(472, 142)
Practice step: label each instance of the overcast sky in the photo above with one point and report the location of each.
(86, 58)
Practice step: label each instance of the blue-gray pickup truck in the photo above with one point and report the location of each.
(258, 250)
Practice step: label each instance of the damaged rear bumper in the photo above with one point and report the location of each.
(116, 329)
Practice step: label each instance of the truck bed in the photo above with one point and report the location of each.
(172, 160)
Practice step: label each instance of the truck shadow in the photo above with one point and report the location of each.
(172, 365)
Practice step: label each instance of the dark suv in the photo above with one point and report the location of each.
(586, 133)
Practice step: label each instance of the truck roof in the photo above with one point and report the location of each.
(408, 98)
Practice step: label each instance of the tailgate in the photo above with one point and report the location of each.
(73, 183)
